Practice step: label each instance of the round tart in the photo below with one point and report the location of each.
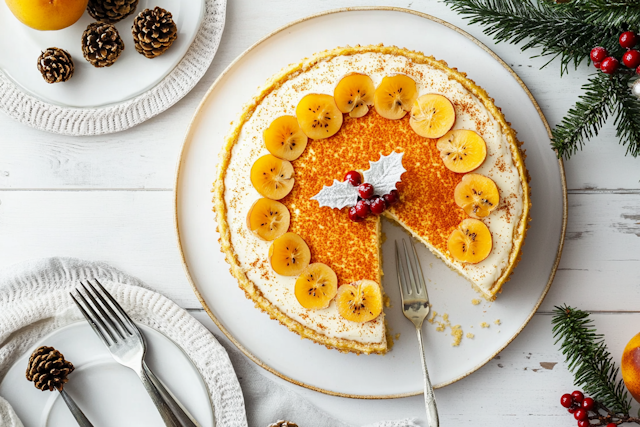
(464, 195)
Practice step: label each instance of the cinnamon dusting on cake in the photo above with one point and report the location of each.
(351, 249)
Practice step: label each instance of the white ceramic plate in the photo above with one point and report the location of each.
(131, 75)
(399, 372)
(109, 394)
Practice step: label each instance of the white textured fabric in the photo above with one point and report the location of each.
(115, 118)
(34, 302)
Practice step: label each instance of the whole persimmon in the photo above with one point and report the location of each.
(630, 366)
(47, 15)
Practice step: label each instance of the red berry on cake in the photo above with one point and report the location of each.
(353, 178)
(392, 197)
(584, 423)
(365, 190)
(628, 39)
(609, 65)
(378, 205)
(631, 58)
(362, 209)
(597, 64)
(598, 54)
(353, 215)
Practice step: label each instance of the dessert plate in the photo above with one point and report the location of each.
(105, 100)
(399, 372)
(107, 392)
(131, 75)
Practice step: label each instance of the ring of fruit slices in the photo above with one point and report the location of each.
(324, 119)
(320, 116)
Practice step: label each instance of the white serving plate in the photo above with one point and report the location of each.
(131, 75)
(398, 373)
(109, 394)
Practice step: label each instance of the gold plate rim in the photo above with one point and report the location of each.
(189, 134)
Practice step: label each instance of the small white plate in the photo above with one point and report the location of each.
(109, 394)
(131, 75)
(399, 373)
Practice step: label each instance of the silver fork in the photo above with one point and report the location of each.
(127, 346)
(415, 306)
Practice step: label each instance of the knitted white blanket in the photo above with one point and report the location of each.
(34, 302)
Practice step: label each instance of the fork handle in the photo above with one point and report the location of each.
(167, 415)
(429, 398)
(186, 419)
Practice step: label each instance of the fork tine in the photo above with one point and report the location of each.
(108, 320)
(398, 269)
(410, 268)
(422, 285)
(93, 319)
(110, 313)
(402, 275)
(118, 307)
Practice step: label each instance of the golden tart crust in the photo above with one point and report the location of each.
(336, 243)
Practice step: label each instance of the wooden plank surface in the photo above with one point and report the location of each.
(110, 198)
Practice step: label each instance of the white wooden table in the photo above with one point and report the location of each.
(110, 198)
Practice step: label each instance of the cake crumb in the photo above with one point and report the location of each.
(396, 336)
(386, 300)
(484, 325)
(456, 333)
(456, 330)
(470, 335)
(497, 322)
(475, 301)
(433, 316)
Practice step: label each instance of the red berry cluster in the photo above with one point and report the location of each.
(368, 203)
(609, 64)
(579, 406)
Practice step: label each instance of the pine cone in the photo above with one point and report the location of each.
(283, 423)
(48, 369)
(55, 65)
(153, 32)
(111, 11)
(101, 44)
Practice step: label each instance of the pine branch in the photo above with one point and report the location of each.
(611, 12)
(588, 358)
(627, 118)
(560, 30)
(585, 119)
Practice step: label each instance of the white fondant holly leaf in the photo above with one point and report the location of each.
(337, 195)
(385, 173)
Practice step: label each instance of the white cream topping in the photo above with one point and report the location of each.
(322, 78)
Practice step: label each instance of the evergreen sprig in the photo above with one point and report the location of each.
(585, 119)
(627, 117)
(559, 30)
(611, 12)
(588, 358)
(604, 95)
(568, 30)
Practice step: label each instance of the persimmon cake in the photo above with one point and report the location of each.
(333, 143)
